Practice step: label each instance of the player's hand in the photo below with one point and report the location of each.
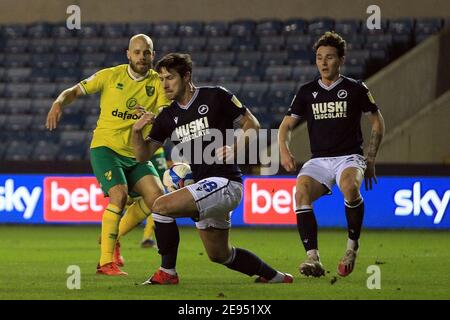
(53, 116)
(288, 161)
(145, 119)
(225, 154)
(139, 110)
(369, 174)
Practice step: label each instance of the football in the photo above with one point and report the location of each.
(177, 176)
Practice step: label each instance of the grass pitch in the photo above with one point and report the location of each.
(34, 261)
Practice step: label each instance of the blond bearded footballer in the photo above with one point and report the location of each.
(124, 90)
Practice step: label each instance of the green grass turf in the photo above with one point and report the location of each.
(34, 260)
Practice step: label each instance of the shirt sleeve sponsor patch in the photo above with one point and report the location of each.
(236, 101)
(369, 95)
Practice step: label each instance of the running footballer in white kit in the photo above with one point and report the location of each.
(332, 106)
(189, 121)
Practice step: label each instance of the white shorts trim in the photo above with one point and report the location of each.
(215, 198)
(328, 171)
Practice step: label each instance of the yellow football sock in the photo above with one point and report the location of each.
(149, 229)
(135, 214)
(110, 226)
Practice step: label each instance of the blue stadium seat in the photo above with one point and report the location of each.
(18, 151)
(165, 29)
(14, 30)
(319, 26)
(17, 90)
(215, 29)
(70, 75)
(281, 93)
(43, 90)
(2, 60)
(117, 45)
(73, 138)
(75, 108)
(242, 28)
(39, 30)
(137, 28)
(295, 26)
(428, 25)
(90, 30)
(44, 151)
(66, 45)
(299, 58)
(195, 43)
(16, 45)
(219, 43)
(60, 31)
(114, 30)
(268, 27)
(221, 59)
(91, 45)
(39, 75)
(66, 60)
(18, 74)
(233, 87)
(303, 74)
(41, 45)
(355, 41)
(378, 42)
(114, 59)
(167, 44)
(42, 60)
(253, 93)
(272, 58)
(200, 58)
(357, 57)
(401, 26)
(202, 74)
(71, 122)
(248, 58)
(353, 71)
(72, 153)
(18, 106)
(17, 60)
(16, 122)
(41, 106)
(347, 27)
(244, 44)
(91, 60)
(250, 73)
(271, 43)
(90, 122)
(299, 42)
(221, 74)
(190, 29)
(278, 73)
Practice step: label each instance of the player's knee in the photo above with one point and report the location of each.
(118, 198)
(350, 189)
(302, 195)
(218, 257)
(161, 206)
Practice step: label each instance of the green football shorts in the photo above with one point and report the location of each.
(111, 168)
(159, 162)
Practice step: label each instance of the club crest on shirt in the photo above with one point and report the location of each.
(131, 103)
(150, 90)
(203, 109)
(342, 94)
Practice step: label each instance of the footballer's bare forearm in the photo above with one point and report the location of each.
(141, 147)
(68, 96)
(375, 140)
(250, 127)
(284, 137)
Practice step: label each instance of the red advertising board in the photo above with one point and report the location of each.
(269, 201)
(73, 199)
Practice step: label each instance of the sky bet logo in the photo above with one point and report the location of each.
(19, 199)
(413, 201)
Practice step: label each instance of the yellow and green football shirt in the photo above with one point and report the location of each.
(120, 93)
